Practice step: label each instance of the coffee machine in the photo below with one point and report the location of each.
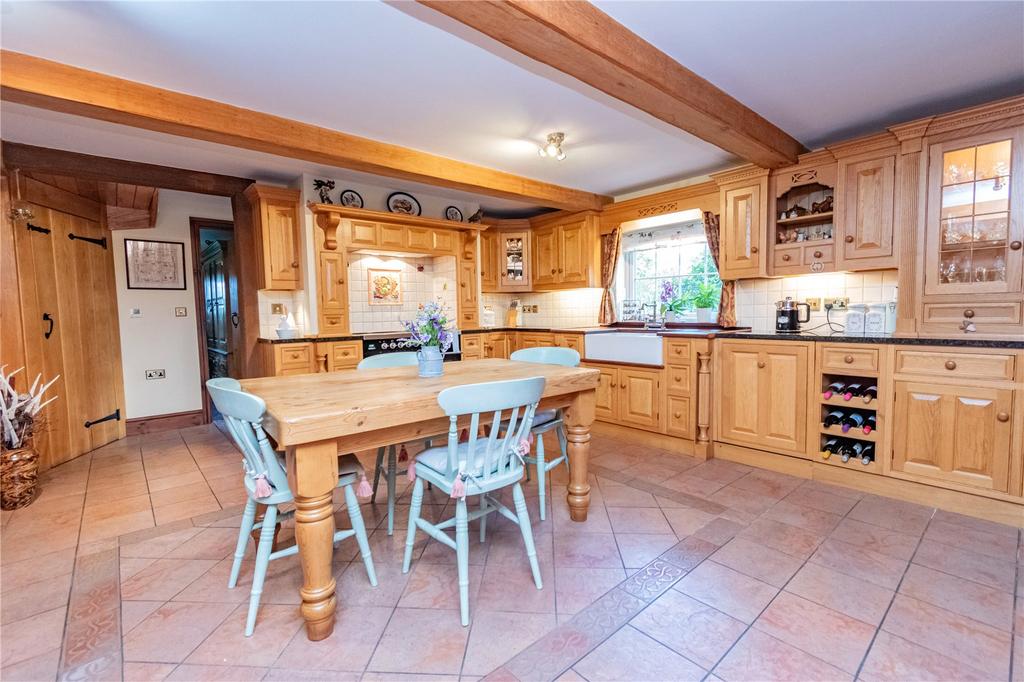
(787, 316)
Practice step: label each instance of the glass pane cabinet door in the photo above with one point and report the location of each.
(974, 221)
(513, 265)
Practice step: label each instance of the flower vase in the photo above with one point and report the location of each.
(673, 317)
(431, 362)
(706, 315)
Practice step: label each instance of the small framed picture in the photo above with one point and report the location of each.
(453, 213)
(385, 287)
(351, 198)
(151, 264)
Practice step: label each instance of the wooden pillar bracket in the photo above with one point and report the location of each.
(329, 223)
(704, 396)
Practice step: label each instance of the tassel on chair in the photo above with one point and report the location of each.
(263, 488)
(464, 436)
(364, 489)
(410, 473)
(403, 454)
(458, 488)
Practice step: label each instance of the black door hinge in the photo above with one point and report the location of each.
(101, 241)
(113, 416)
(36, 228)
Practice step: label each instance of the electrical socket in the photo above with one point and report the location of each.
(277, 309)
(838, 303)
(814, 303)
(156, 374)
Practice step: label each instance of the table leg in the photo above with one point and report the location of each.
(313, 475)
(578, 419)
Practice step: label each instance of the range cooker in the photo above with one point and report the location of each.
(398, 342)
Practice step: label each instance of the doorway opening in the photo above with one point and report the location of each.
(215, 274)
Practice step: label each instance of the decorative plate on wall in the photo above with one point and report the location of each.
(453, 213)
(351, 198)
(400, 202)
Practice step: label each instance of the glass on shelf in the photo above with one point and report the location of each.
(993, 160)
(958, 166)
(957, 200)
(957, 230)
(993, 195)
(989, 265)
(993, 227)
(955, 267)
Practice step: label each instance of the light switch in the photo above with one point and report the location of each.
(135, 312)
(181, 311)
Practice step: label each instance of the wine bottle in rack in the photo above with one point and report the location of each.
(869, 394)
(853, 390)
(833, 417)
(852, 420)
(830, 448)
(835, 388)
(867, 454)
(846, 452)
(869, 424)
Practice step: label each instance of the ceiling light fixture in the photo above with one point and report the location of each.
(553, 148)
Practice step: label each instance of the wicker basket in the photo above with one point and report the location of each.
(19, 471)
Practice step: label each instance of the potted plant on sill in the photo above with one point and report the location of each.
(705, 301)
(672, 302)
(21, 420)
(432, 332)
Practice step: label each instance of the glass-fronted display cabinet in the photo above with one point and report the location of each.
(514, 261)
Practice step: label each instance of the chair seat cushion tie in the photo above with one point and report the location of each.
(262, 488)
(364, 489)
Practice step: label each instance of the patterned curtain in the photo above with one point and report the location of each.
(727, 306)
(609, 259)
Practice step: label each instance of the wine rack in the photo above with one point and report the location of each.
(854, 437)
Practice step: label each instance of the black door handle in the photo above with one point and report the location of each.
(48, 318)
(234, 320)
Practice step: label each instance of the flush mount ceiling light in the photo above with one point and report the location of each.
(553, 148)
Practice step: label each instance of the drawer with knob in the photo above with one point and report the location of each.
(678, 352)
(937, 364)
(293, 358)
(678, 380)
(849, 359)
(818, 254)
(979, 317)
(679, 419)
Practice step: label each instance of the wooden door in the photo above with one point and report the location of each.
(488, 261)
(469, 308)
(333, 293)
(281, 244)
(782, 392)
(743, 231)
(606, 396)
(545, 256)
(738, 385)
(959, 434)
(640, 397)
(864, 213)
(213, 269)
(572, 254)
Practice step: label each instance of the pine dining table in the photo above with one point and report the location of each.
(313, 417)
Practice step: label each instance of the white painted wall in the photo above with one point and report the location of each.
(158, 339)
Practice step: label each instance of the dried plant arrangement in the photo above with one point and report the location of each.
(20, 419)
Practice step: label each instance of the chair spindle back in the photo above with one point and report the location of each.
(243, 415)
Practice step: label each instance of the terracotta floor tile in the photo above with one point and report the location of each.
(619, 495)
(695, 630)
(630, 655)
(975, 644)
(651, 471)
(719, 531)
(357, 630)
(114, 526)
(639, 549)
(597, 520)
(782, 537)
(840, 592)
(720, 470)
(691, 484)
(997, 546)
(404, 649)
(986, 570)
(123, 506)
(354, 588)
(40, 667)
(227, 645)
(758, 561)
(729, 591)
(974, 600)
(507, 547)
(812, 520)
(742, 500)
(159, 546)
(43, 566)
(193, 477)
(586, 550)
(186, 509)
(43, 595)
(164, 578)
(437, 553)
(192, 491)
(904, 517)
(498, 636)
(391, 548)
(768, 483)
(216, 673)
(876, 539)
(577, 588)
(147, 672)
(826, 634)
(508, 587)
(27, 638)
(758, 657)
(638, 520)
(894, 659)
(688, 552)
(882, 570)
(821, 500)
(134, 612)
(686, 521)
(173, 631)
(210, 543)
(300, 675)
(212, 586)
(436, 586)
(974, 523)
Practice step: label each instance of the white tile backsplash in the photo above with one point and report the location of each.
(294, 302)
(755, 298)
(423, 280)
(561, 309)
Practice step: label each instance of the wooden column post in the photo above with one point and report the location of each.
(578, 419)
(703, 447)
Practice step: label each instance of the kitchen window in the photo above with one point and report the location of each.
(676, 253)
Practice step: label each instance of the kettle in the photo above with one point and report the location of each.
(787, 316)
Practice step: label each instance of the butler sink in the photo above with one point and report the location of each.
(637, 347)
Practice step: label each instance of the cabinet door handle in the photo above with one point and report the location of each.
(950, 365)
(761, 364)
(1015, 245)
(559, 270)
(612, 385)
(295, 263)
(786, 257)
(677, 415)
(47, 317)
(552, 271)
(753, 249)
(848, 359)
(678, 379)
(817, 254)
(1003, 417)
(341, 281)
(968, 313)
(848, 239)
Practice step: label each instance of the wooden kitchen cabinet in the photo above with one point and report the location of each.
(489, 261)
(496, 345)
(762, 389)
(743, 222)
(574, 341)
(606, 396)
(566, 254)
(472, 346)
(332, 356)
(629, 396)
(293, 358)
(545, 256)
(276, 214)
(469, 303)
(864, 204)
(954, 433)
(332, 290)
(802, 244)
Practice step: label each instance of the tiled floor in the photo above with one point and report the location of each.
(684, 570)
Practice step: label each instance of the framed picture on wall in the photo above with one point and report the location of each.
(151, 264)
(385, 287)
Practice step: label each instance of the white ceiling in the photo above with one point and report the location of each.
(395, 73)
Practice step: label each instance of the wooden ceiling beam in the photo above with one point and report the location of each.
(578, 39)
(58, 87)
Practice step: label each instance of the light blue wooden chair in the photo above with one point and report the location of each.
(479, 466)
(267, 484)
(391, 471)
(547, 420)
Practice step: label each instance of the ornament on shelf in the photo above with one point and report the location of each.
(823, 206)
(324, 187)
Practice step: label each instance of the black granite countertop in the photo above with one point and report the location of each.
(840, 337)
